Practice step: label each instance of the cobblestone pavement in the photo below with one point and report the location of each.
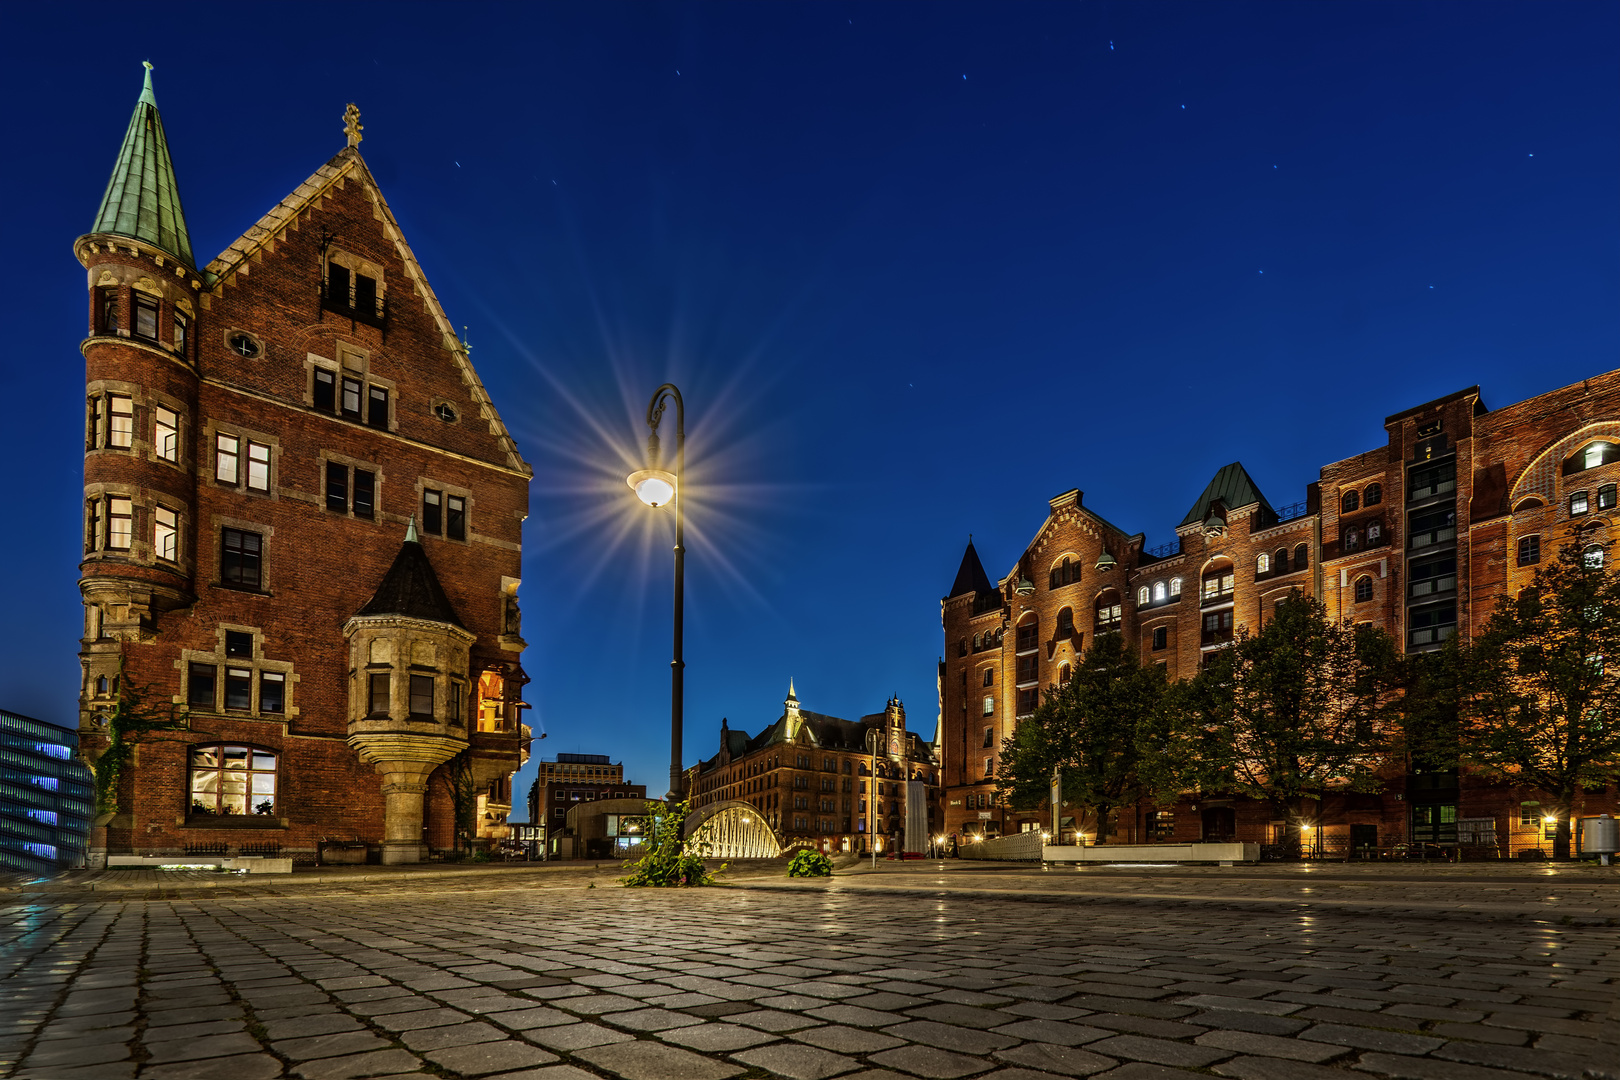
(969, 971)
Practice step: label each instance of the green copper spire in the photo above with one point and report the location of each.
(142, 200)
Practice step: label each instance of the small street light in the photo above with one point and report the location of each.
(658, 487)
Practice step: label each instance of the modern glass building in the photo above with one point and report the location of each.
(46, 797)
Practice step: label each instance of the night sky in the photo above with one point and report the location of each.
(916, 267)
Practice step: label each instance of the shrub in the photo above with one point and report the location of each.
(809, 863)
(670, 861)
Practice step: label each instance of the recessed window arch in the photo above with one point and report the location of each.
(1302, 556)
(1064, 674)
(1065, 623)
(1262, 563)
(1350, 503)
(1219, 580)
(232, 780)
(1066, 572)
(1158, 592)
(1373, 495)
(1143, 597)
(1175, 586)
(1595, 453)
(1364, 589)
(1279, 561)
(1109, 610)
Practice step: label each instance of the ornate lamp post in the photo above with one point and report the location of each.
(657, 487)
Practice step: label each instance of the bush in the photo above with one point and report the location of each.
(670, 859)
(809, 863)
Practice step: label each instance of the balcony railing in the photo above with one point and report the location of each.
(1432, 537)
(1291, 511)
(1433, 586)
(1222, 596)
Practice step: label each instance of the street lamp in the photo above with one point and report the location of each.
(657, 487)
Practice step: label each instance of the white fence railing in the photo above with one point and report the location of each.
(1017, 847)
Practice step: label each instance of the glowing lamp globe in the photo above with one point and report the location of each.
(655, 487)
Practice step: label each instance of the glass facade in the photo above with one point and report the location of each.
(46, 797)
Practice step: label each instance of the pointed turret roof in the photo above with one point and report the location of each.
(970, 577)
(142, 200)
(1233, 487)
(411, 588)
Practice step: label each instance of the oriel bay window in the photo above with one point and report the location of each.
(107, 311)
(232, 781)
(422, 695)
(146, 316)
(379, 687)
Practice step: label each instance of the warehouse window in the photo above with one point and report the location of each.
(232, 781)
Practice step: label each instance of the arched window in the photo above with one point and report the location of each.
(1363, 589)
(1373, 495)
(1592, 557)
(1262, 563)
(975, 642)
(1175, 586)
(1279, 561)
(1063, 675)
(1065, 624)
(1158, 592)
(1578, 503)
(1302, 557)
(1142, 596)
(1219, 582)
(1108, 611)
(1591, 456)
(1352, 539)
(1350, 503)
(232, 781)
(1375, 532)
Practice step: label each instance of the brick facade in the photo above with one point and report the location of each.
(259, 433)
(1420, 536)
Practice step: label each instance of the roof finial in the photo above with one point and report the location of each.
(466, 348)
(146, 87)
(410, 531)
(791, 694)
(351, 124)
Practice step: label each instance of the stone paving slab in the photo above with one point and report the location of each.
(536, 976)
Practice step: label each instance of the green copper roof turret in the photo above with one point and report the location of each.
(142, 199)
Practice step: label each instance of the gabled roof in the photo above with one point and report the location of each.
(348, 166)
(1232, 487)
(142, 200)
(970, 577)
(412, 589)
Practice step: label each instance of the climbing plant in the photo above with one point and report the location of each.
(132, 716)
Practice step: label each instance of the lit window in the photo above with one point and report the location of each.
(1577, 503)
(226, 465)
(166, 433)
(121, 408)
(165, 533)
(1262, 564)
(258, 474)
(232, 781)
(1175, 586)
(989, 705)
(1592, 558)
(120, 522)
(1158, 592)
(1529, 550)
(1142, 596)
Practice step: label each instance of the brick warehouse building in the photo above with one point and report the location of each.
(811, 777)
(303, 524)
(1421, 536)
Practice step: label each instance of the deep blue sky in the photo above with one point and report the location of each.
(917, 268)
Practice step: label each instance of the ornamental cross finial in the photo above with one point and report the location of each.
(351, 124)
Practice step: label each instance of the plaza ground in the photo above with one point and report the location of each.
(924, 970)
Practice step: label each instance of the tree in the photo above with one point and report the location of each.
(1090, 729)
(1541, 695)
(1287, 713)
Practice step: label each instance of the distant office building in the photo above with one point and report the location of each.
(46, 796)
(566, 782)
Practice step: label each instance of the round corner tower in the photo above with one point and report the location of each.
(140, 404)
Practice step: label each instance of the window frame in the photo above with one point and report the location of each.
(251, 802)
(1529, 550)
(143, 303)
(233, 571)
(1363, 588)
(120, 522)
(165, 534)
(1579, 503)
(166, 434)
(120, 422)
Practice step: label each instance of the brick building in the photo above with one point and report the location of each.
(568, 781)
(303, 525)
(1420, 536)
(811, 777)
